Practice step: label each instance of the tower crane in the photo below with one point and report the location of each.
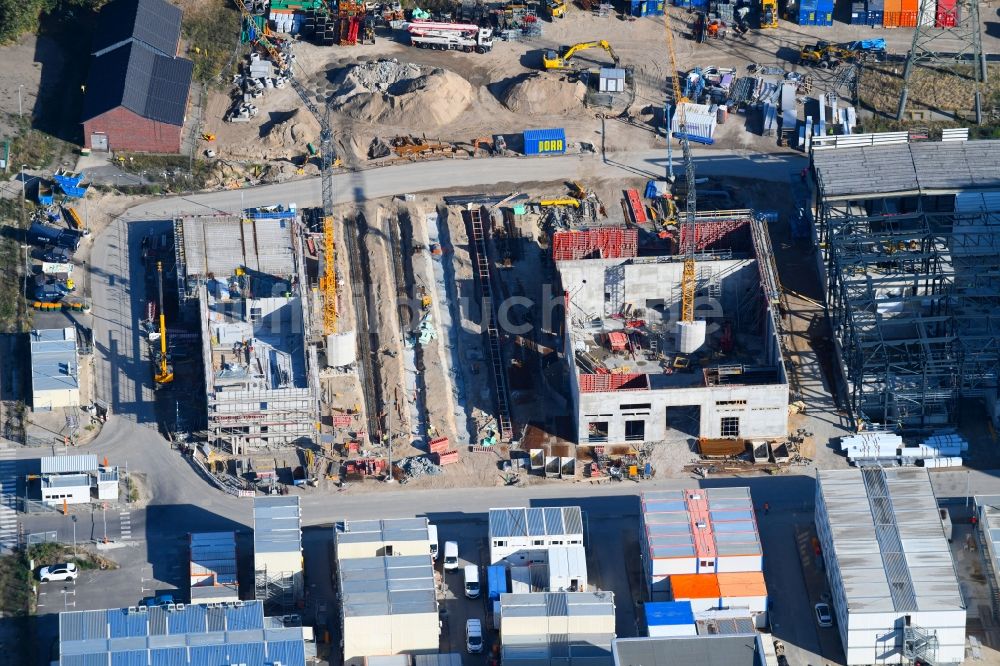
(164, 374)
(328, 281)
(687, 224)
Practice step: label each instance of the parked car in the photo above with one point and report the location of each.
(57, 255)
(57, 572)
(472, 581)
(824, 617)
(450, 555)
(473, 636)
(158, 600)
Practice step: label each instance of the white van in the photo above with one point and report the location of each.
(432, 533)
(473, 636)
(472, 581)
(450, 555)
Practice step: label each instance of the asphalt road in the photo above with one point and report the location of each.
(457, 174)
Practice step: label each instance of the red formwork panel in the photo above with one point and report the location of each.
(635, 207)
(446, 457)
(604, 383)
(439, 445)
(708, 232)
(602, 243)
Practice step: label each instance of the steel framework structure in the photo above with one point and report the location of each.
(914, 304)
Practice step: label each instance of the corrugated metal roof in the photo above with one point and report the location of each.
(922, 166)
(66, 481)
(371, 586)
(54, 364)
(444, 659)
(558, 604)
(912, 570)
(730, 650)
(69, 464)
(154, 22)
(277, 525)
(159, 636)
(136, 77)
(523, 522)
(378, 531)
(731, 524)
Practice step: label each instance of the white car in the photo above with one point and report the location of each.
(56, 572)
(824, 617)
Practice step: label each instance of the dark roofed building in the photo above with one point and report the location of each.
(712, 650)
(137, 90)
(153, 22)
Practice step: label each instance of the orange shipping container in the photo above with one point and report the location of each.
(750, 584)
(695, 586)
(890, 19)
(909, 10)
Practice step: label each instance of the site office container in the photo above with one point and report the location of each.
(702, 590)
(545, 142)
(947, 14)
(669, 618)
(745, 589)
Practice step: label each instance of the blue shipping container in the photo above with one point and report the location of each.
(824, 17)
(660, 613)
(545, 142)
(496, 581)
(859, 18)
(874, 18)
(806, 17)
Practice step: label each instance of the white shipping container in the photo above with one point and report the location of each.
(951, 461)
(661, 630)
(50, 268)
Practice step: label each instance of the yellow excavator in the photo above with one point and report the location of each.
(164, 375)
(553, 60)
(556, 8)
(768, 14)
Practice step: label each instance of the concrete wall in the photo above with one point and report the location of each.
(762, 410)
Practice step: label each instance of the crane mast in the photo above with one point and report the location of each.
(687, 225)
(164, 375)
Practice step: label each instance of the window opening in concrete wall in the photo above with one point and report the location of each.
(597, 431)
(730, 426)
(635, 431)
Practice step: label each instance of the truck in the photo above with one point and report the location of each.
(466, 37)
(43, 234)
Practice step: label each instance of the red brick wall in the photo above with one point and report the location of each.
(129, 131)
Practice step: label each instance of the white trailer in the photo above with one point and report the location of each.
(450, 36)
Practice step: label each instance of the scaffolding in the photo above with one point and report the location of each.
(913, 297)
(275, 590)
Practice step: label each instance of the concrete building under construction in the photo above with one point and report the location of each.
(244, 275)
(630, 381)
(909, 238)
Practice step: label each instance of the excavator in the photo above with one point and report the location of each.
(553, 60)
(164, 375)
(768, 14)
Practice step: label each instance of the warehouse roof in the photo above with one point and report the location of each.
(888, 540)
(725, 516)
(928, 166)
(192, 635)
(155, 23)
(53, 360)
(393, 529)
(521, 522)
(86, 462)
(140, 79)
(733, 650)
(277, 525)
(379, 586)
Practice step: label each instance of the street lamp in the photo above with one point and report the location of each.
(74, 536)
(20, 111)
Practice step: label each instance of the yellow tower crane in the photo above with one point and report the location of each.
(164, 375)
(328, 282)
(687, 231)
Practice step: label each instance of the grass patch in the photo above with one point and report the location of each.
(31, 147)
(931, 89)
(167, 172)
(11, 301)
(209, 31)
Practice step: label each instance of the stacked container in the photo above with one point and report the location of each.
(859, 13)
(824, 12)
(891, 15)
(908, 14)
(805, 12)
(876, 12)
(947, 14)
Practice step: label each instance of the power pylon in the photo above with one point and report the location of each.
(947, 39)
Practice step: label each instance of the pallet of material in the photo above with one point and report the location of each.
(439, 445)
(445, 457)
(721, 448)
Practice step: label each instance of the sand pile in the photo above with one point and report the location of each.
(394, 93)
(282, 139)
(543, 94)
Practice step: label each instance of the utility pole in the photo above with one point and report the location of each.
(74, 536)
(958, 30)
(20, 111)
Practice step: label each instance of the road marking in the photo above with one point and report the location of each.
(125, 521)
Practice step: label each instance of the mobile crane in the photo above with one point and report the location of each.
(553, 60)
(164, 374)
